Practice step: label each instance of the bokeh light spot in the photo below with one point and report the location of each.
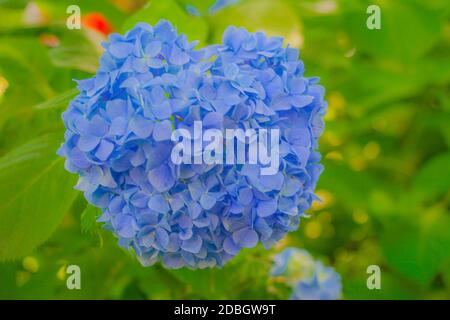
(313, 230)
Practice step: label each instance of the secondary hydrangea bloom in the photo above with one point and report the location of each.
(325, 284)
(309, 279)
(152, 81)
(293, 264)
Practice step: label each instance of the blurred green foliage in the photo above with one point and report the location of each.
(385, 189)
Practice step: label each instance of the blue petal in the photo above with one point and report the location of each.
(178, 57)
(207, 201)
(139, 199)
(185, 234)
(176, 203)
(88, 143)
(162, 111)
(162, 237)
(273, 182)
(138, 158)
(194, 210)
(213, 120)
(291, 187)
(98, 126)
(161, 178)
(155, 63)
(231, 70)
(79, 159)
(116, 108)
(162, 131)
(245, 238)
(299, 136)
(302, 101)
(297, 85)
(208, 92)
(121, 49)
(302, 153)
(165, 31)
(173, 261)
(245, 196)
(158, 204)
(196, 190)
(192, 245)
(230, 247)
(185, 222)
(234, 37)
(174, 243)
(104, 150)
(153, 49)
(141, 127)
(139, 65)
(118, 126)
(148, 240)
(157, 95)
(266, 208)
(125, 225)
(157, 154)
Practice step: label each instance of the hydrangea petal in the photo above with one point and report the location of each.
(158, 204)
(104, 150)
(266, 208)
(161, 178)
(162, 131)
(245, 238)
(193, 244)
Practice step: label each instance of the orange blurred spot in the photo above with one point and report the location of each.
(97, 22)
(49, 40)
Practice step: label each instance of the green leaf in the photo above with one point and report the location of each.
(80, 57)
(392, 287)
(432, 179)
(201, 5)
(24, 63)
(350, 186)
(61, 100)
(77, 51)
(89, 219)
(418, 247)
(35, 193)
(247, 271)
(208, 283)
(158, 283)
(408, 30)
(194, 27)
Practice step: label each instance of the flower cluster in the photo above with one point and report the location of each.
(310, 279)
(152, 81)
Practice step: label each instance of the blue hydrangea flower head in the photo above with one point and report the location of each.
(152, 81)
(325, 284)
(309, 279)
(293, 264)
